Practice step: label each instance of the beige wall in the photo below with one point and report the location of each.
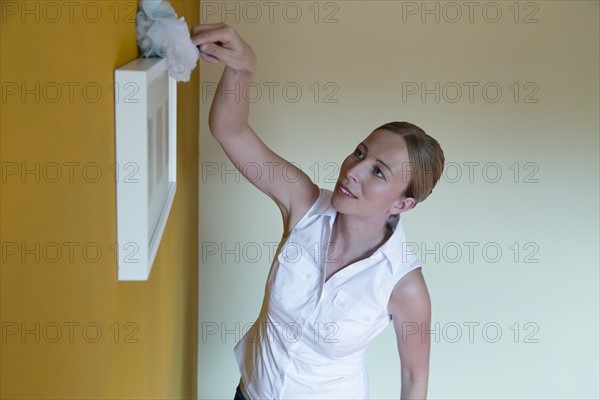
(146, 348)
(540, 133)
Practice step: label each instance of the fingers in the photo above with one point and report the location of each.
(219, 33)
(208, 58)
(204, 27)
(220, 43)
(203, 36)
(214, 52)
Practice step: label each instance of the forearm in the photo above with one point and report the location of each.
(229, 111)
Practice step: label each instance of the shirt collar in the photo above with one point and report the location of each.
(323, 206)
(394, 249)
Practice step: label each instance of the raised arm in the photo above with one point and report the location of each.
(410, 308)
(289, 187)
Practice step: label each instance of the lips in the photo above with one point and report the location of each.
(345, 192)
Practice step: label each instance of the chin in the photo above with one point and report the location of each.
(338, 204)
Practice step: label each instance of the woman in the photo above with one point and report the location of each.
(342, 271)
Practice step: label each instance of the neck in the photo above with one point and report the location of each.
(356, 237)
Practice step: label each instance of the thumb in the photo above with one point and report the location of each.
(216, 51)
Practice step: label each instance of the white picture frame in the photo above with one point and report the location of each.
(146, 160)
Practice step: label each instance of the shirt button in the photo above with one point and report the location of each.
(341, 303)
(302, 320)
(308, 276)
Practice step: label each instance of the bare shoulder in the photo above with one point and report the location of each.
(410, 296)
(301, 203)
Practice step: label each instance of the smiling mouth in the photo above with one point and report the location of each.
(346, 192)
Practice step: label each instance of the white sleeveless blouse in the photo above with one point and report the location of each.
(310, 339)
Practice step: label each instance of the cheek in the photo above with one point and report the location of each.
(378, 192)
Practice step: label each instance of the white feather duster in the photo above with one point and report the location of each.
(160, 33)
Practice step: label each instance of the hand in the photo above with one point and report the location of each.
(220, 43)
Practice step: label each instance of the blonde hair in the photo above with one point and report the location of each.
(426, 159)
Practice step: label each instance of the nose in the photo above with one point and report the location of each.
(353, 172)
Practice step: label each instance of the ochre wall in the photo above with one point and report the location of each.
(56, 290)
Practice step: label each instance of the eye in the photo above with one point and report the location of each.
(378, 172)
(358, 153)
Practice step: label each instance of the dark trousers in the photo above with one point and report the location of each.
(238, 394)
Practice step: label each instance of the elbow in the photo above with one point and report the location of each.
(213, 126)
(414, 385)
(217, 131)
(220, 129)
(416, 374)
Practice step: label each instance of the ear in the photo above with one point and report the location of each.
(402, 205)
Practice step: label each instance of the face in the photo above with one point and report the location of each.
(374, 178)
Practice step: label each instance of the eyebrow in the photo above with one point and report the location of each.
(366, 148)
